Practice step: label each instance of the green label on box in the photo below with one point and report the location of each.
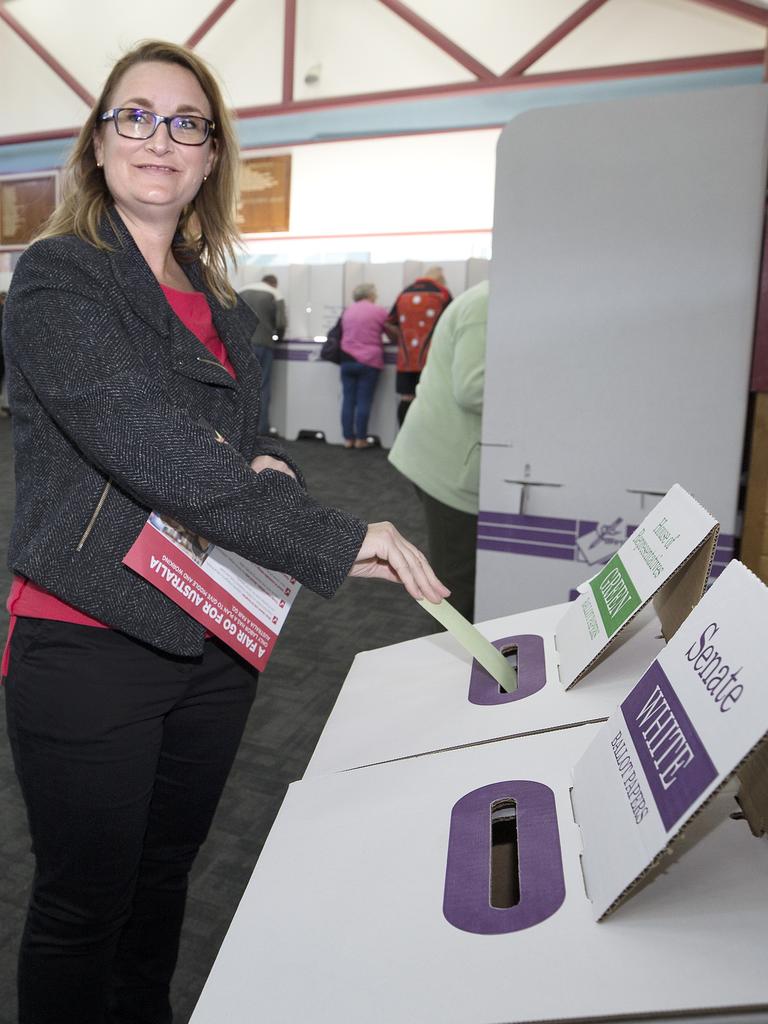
(615, 595)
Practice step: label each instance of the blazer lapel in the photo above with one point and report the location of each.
(188, 354)
(132, 273)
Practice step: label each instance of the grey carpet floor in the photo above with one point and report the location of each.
(296, 694)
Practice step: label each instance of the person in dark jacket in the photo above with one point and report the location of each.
(3, 409)
(129, 359)
(269, 306)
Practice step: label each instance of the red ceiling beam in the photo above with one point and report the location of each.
(289, 49)
(739, 9)
(480, 71)
(25, 138)
(205, 27)
(553, 38)
(46, 57)
(642, 69)
(708, 62)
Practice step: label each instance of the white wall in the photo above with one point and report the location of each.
(433, 191)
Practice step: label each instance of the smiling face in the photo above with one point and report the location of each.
(153, 179)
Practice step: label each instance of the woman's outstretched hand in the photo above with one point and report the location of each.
(385, 554)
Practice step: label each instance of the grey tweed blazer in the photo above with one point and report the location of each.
(114, 406)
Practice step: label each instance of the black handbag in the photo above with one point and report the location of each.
(331, 350)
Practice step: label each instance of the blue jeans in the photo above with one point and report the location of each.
(265, 356)
(358, 383)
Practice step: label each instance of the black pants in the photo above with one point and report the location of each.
(452, 541)
(121, 753)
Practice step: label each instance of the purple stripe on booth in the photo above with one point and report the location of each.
(722, 560)
(517, 533)
(511, 519)
(724, 553)
(722, 557)
(294, 350)
(537, 550)
(586, 526)
(545, 537)
(290, 352)
(467, 897)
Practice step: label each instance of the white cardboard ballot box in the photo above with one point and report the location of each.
(428, 694)
(450, 888)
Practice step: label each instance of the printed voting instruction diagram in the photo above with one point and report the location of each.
(239, 602)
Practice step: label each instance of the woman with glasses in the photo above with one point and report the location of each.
(128, 360)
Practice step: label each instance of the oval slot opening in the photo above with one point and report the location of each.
(510, 653)
(505, 864)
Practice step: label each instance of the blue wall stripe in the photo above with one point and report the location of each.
(437, 113)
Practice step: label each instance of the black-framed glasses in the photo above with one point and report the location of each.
(135, 123)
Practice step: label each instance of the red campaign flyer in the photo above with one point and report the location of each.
(239, 602)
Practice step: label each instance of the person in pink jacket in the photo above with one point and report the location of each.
(362, 358)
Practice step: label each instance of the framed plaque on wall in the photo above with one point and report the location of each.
(25, 204)
(265, 194)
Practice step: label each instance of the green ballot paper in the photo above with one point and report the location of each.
(493, 661)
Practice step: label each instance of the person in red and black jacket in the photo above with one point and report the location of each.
(415, 312)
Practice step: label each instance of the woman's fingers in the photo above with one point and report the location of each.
(386, 554)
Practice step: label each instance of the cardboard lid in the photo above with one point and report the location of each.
(667, 560)
(697, 714)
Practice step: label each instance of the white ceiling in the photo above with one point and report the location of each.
(347, 47)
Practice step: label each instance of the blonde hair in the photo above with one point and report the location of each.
(364, 291)
(435, 274)
(206, 229)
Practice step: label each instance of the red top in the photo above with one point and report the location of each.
(194, 312)
(27, 598)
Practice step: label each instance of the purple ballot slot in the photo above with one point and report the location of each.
(531, 672)
(504, 871)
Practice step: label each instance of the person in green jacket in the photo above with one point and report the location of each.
(438, 446)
